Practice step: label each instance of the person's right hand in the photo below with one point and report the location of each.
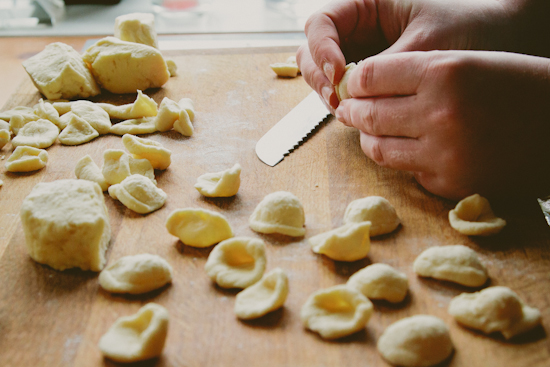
(352, 30)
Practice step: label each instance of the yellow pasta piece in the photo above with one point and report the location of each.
(149, 149)
(144, 125)
(220, 184)
(86, 169)
(26, 159)
(78, 131)
(139, 194)
(198, 227)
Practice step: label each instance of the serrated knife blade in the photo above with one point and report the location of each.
(291, 130)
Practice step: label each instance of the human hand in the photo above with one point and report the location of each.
(463, 121)
(352, 30)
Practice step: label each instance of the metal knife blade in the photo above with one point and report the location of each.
(291, 130)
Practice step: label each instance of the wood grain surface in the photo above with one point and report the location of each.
(53, 318)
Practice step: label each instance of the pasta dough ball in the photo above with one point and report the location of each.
(136, 274)
(380, 281)
(457, 263)
(125, 67)
(93, 114)
(284, 69)
(376, 210)
(38, 134)
(66, 224)
(137, 27)
(136, 337)
(78, 131)
(236, 262)
(59, 73)
(336, 312)
(143, 106)
(264, 296)
(117, 165)
(279, 212)
(220, 184)
(139, 194)
(473, 216)
(26, 159)
(5, 137)
(172, 67)
(416, 341)
(350, 242)
(494, 309)
(149, 149)
(144, 125)
(86, 169)
(342, 87)
(198, 227)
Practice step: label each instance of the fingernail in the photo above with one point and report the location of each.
(327, 94)
(329, 71)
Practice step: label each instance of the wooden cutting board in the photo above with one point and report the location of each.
(52, 318)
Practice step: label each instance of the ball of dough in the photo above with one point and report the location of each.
(350, 242)
(198, 227)
(473, 216)
(380, 281)
(220, 184)
(376, 210)
(66, 224)
(342, 87)
(279, 212)
(139, 194)
(416, 341)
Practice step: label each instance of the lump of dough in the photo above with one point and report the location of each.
(17, 121)
(336, 312)
(342, 87)
(264, 296)
(279, 212)
(380, 281)
(473, 216)
(137, 337)
(125, 67)
(172, 67)
(284, 69)
(188, 105)
(139, 194)
(416, 341)
(149, 149)
(5, 137)
(39, 134)
(26, 159)
(78, 131)
(59, 73)
(18, 110)
(350, 242)
(456, 263)
(376, 210)
(169, 112)
(86, 169)
(143, 125)
(93, 114)
(143, 106)
(136, 274)
(47, 111)
(137, 27)
(66, 224)
(183, 124)
(220, 184)
(198, 227)
(494, 309)
(4, 125)
(117, 165)
(236, 262)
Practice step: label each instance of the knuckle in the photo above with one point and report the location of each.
(369, 118)
(376, 153)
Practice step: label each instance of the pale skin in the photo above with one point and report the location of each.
(463, 122)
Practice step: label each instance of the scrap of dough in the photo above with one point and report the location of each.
(5, 137)
(62, 107)
(376, 210)
(336, 312)
(137, 337)
(39, 134)
(350, 242)
(236, 262)
(264, 296)
(18, 110)
(117, 165)
(494, 309)
(93, 114)
(86, 169)
(66, 224)
(137, 27)
(183, 124)
(143, 106)
(172, 67)
(47, 111)
(169, 112)
(26, 159)
(342, 87)
(125, 67)
(188, 105)
(139, 194)
(136, 274)
(416, 341)
(473, 216)
(380, 281)
(279, 212)
(17, 121)
(198, 227)
(456, 263)
(59, 72)
(149, 149)
(283, 69)
(143, 125)
(78, 131)
(4, 125)
(220, 184)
